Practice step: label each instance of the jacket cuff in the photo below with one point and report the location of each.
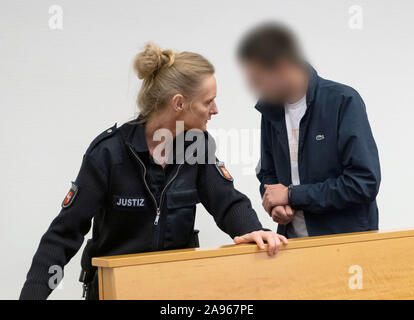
(298, 196)
(261, 190)
(34, 291)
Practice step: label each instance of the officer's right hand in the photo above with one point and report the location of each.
(274, 240)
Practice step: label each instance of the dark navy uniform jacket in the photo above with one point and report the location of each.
(338, 161)
(112, 188)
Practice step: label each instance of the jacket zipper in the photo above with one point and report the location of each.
(146, 185)
(163, 190)
(158, 207)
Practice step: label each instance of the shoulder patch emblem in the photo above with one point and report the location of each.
(223, 171)
(70, 196)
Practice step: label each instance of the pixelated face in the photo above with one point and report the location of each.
(268, 83)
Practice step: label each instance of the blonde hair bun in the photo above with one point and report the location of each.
(151, 60)
(166, 73)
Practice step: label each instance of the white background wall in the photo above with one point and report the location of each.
(61, 88)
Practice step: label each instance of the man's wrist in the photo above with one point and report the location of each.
(290, 187)
(295, 196)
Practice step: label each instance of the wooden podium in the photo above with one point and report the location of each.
(366, 265)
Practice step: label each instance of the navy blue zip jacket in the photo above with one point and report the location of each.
(111, 188)
(338, 161)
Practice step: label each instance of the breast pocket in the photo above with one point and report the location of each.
(180, 220)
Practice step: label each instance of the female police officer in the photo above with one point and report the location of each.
(139, 201)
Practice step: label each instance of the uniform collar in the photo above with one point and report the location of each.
(139, 140)
(134, 136)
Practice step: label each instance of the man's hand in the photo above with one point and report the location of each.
(282, 214)
(275, 195)
(274, 240)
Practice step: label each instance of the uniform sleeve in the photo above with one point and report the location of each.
(232, 210)
(360, 178)
(66, 233)
(265, 170)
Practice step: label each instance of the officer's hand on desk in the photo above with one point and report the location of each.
(274, 240)
(275, 195)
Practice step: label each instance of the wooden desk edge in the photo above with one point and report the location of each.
(199, 253)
